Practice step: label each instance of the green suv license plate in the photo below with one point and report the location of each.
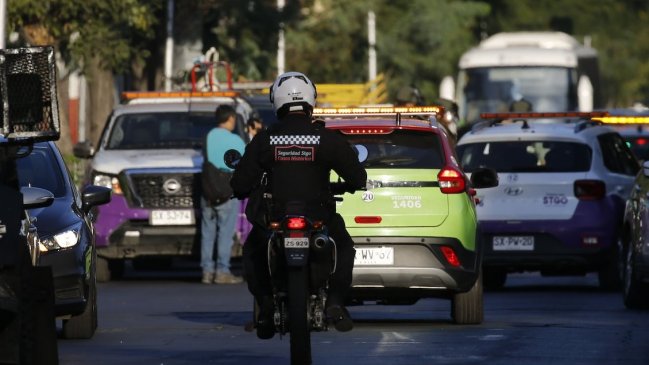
(367, 256)
(513, 243)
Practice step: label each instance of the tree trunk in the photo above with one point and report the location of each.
(101, 99)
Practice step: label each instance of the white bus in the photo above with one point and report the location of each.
(550, 70)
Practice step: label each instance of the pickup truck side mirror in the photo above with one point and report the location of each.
(83, 149)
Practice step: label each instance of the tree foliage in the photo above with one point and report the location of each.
(616, 28)
(115, 32)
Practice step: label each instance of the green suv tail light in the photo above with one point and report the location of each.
(451, 181)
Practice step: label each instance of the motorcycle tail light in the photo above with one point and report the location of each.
(451, 181)
(296, 223)
(450, 256)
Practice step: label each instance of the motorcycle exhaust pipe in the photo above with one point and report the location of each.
(321, 241)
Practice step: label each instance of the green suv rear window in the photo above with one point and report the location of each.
(525, 156)
(400, 149)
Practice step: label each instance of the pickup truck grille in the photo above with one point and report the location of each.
(164, 190)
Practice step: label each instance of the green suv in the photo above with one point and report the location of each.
(415, 227)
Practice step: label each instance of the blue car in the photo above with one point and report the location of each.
(65, 237)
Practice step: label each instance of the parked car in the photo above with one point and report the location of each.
(634, 244)
(64, 236)
(637, 138)
(415, 227)
(631, 123)
(564, 180)
(263, 107)
(150, 154)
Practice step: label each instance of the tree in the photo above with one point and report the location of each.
(99, 38)
(418, 41)
(616, 28)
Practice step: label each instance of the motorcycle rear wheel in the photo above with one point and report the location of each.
(298, 293)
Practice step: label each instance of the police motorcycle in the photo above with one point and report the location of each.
(301, 258)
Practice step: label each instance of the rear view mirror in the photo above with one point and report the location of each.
(361, 152)
(484, 178)
(231, 158)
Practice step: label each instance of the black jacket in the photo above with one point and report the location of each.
(298, 156)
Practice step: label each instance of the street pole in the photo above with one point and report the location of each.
(3, 23)
(169, 50)
(371, 40)
(280, 41)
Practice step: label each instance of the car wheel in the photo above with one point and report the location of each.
(468, 308)
(635, 292)
(103, 272)
(494, 279)
(609, 273)
(108, 270)
(84, 325)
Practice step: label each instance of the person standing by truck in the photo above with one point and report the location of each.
(218, 222)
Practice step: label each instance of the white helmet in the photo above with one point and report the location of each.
(292, 91)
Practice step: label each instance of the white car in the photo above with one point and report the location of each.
(559, 206)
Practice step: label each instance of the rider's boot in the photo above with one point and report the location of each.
(265, 324)
(338, 314)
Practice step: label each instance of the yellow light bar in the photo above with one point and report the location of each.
(377, 110)
(624, 120)
(130, 95)
(543, 115)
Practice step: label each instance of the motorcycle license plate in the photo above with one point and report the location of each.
(296, 242)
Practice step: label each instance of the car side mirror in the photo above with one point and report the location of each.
(484, 178)
(94, 195)
(83, 149)
(36, 197)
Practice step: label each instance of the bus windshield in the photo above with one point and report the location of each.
(493, 89)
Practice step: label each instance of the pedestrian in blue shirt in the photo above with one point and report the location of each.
(218, 223)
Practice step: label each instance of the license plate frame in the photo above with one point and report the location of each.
(374, 256)
(513, 243)
(172, 217)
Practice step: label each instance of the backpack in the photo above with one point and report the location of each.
(215, 182)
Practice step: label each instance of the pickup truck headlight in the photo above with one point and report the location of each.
(61, 240)
(109, 181)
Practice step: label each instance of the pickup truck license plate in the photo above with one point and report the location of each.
(367, 256)
(513, 243)
(180, 217)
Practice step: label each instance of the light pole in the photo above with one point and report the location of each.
(3, 23)
(280, 41)
(169, 46)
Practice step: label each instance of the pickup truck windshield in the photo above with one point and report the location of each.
(160, 130)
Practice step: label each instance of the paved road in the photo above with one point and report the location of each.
(165, 318)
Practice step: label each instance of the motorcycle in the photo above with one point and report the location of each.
(301, 258)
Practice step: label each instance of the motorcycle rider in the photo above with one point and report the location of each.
(297, 157)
